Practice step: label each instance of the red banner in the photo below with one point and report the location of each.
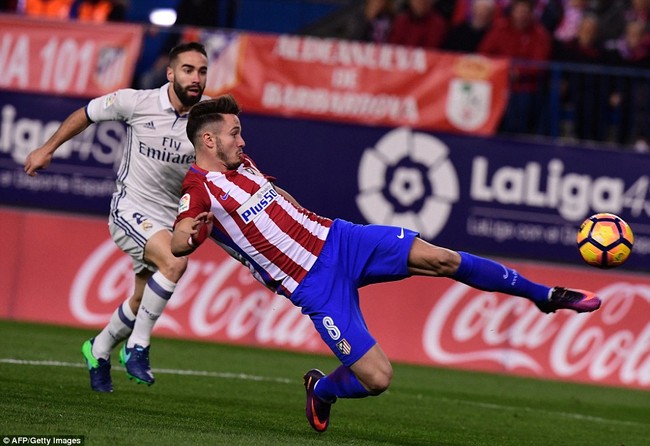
(359, 82)
(57, 275)
(67, 58)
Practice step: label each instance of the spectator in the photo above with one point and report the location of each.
(519, 36)
(467, 36)
(549, 13)
(98, 11)
(463, 10)
(611, 17)
(55, 9)
(585, 46)
(574, 11)
(583, 93)
(371, 22)
(639, 11)
(419, 25)
(632, 50)
(446, 8)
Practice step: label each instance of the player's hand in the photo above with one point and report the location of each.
(201, 227)
(38, 159)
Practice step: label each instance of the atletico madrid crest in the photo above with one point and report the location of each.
(344, 347)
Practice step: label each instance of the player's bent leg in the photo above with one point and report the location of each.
(97, 351)
(345, 382)
(122, 320)
(134, 354)
(373, 370)
(158, 252)
(157, 292)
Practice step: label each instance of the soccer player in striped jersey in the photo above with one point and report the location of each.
(155, 160)
(319, 263)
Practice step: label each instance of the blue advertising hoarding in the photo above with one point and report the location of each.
(81, 177)
(485, 195)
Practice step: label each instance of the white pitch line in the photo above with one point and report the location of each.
(575, 416)
(224, 375)
(246, 377)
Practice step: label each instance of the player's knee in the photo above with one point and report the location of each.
(173, 268)
(380, 381)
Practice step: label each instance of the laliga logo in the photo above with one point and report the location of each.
(407, 180)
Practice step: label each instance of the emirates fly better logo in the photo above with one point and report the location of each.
(407, 180)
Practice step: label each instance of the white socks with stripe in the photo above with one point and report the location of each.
(118, 329)
(156, 295)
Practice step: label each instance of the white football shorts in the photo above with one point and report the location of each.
(130, 229)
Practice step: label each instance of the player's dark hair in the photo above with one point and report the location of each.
(185, 47)
(210, 111)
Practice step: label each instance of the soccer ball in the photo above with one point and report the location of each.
(605, 240)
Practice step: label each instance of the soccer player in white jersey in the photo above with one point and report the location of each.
(144, 205)
(319, 263)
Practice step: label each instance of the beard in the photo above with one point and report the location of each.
(185, 99)
(229, 163)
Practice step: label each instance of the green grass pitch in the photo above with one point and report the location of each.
(212, 394)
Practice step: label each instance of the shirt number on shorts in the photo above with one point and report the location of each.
(332, 329)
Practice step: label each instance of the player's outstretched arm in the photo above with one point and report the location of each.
(41, 158)
(189, 233)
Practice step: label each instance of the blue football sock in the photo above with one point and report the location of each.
(488, 275)
(341, 383)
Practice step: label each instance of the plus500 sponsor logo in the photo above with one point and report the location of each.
(256, 204)
(574, 195)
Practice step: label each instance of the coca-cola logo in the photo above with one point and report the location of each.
(470, 327)
(217, 299)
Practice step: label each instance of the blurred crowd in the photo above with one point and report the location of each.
(604, 33)
(84, 10)
(612, 33)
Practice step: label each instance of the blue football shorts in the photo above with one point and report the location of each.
(353, 256)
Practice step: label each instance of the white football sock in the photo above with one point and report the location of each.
(118, 329)
(156, 295)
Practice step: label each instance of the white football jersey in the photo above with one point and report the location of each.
(157, 153)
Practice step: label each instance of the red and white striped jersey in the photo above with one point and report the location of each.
(277, 239)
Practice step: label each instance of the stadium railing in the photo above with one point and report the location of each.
(590, 104)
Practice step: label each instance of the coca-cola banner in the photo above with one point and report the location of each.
(65, 57)
(81, 279)
(358, 82)
(81, 177)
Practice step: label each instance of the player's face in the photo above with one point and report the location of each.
(229, 142)
(188, 74)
